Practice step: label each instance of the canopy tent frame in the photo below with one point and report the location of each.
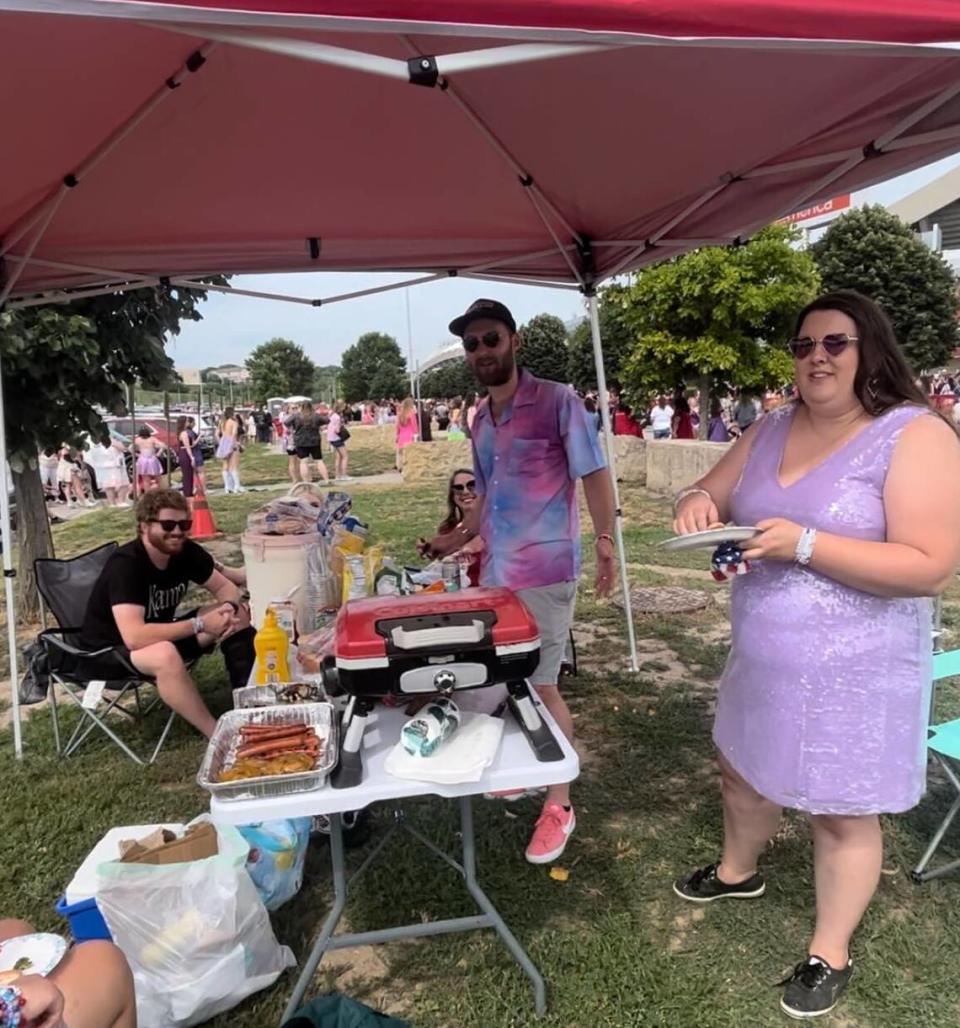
(432, 71)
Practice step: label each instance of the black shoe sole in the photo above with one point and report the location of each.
(803, 1015)
(756, 894)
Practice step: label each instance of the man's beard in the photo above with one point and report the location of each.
(497, 374)
(169, 544)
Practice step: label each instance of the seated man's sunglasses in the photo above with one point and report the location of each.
(491, 338)
(168, 524)
(469, 487)
(834, 344)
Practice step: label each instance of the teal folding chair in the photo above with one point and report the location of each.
(944, 746)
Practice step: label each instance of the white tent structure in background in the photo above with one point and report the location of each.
(446, 353)
(557, 144)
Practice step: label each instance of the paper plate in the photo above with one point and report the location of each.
(712, 537)
(32, 954)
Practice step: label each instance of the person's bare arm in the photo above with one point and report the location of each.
(922, 505)
(222, 588)
(598, 490)
(696, 512)
(136, 633)
(450, 542)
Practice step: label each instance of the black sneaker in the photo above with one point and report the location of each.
(704, 886)
(814, 988)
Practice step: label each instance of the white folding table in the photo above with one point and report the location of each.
(514, 767)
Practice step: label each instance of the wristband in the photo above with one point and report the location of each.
(805, 545)
(197, 625)
(11, 1007)
(684, 493)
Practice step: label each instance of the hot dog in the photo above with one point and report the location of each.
(275, 746)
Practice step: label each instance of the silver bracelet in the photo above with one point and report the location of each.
(691, 491)
(197, 625)
(805, 545)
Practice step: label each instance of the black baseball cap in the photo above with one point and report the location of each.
(492, 309)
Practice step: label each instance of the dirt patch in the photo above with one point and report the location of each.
(362, 971)
(680, 928)
(673, 572)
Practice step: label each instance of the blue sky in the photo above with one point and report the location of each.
(234, 325)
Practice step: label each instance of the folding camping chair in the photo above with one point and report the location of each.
(65, 587)
(944, 745)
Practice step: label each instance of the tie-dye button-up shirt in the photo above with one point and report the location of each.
(526, 466)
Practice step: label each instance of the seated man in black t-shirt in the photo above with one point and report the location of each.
(134, 601)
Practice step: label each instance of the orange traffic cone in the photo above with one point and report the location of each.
(204, 527)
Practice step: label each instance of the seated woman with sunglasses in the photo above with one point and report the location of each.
(461, 498)
(133, 608)
(855, 489)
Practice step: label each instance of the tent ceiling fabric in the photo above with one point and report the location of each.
(644, 147)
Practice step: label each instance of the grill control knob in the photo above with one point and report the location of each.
(445, 681)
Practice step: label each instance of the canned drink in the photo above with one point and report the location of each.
(422, 735)
(451, 574)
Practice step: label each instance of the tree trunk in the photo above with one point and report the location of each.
(704, 407)
(33, 534)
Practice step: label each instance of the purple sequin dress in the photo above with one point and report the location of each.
(824, 702)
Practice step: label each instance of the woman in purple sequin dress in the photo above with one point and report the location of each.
(824, 701)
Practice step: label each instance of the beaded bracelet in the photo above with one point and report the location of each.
(11, 1007)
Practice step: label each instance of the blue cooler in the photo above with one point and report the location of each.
(86, 921)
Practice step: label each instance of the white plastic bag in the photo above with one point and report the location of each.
(196, 935)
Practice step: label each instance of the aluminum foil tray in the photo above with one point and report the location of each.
(226, 738)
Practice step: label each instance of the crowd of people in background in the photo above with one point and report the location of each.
(105, 469)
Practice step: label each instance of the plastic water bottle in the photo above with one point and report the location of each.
(423, 735)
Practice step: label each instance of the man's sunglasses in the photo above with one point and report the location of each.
(168, 524)
(834, 344)
(465, 487)
(491, 338)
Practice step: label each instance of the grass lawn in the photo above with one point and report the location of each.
(617, 947)
(261, 464)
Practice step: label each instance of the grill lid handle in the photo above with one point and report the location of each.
(449, 635)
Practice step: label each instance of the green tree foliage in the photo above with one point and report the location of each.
(326, 383)
(719, 313)
(374, 369)
(280, 368)
(616, 337)
(543, 347)
(453, 378)
(874, 252)
(62, 362)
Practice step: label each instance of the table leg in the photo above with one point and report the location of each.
(322, 941)
(509, 940)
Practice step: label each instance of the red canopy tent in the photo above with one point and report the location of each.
(557, 142)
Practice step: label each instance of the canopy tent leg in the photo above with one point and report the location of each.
(7, 535)
(8, 576)
(612, 462)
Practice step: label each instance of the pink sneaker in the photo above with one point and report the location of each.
(554, 827)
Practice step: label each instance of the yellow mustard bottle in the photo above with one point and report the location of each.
(271, 646)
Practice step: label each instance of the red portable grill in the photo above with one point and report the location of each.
(433, 643)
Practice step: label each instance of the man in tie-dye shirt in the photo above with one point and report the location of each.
(532, 440)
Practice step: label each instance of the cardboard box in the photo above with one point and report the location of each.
(197, 843)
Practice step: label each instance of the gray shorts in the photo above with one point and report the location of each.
(552, 607)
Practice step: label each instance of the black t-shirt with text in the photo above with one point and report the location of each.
(130, 576)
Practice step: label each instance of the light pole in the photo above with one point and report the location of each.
(406, 294)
